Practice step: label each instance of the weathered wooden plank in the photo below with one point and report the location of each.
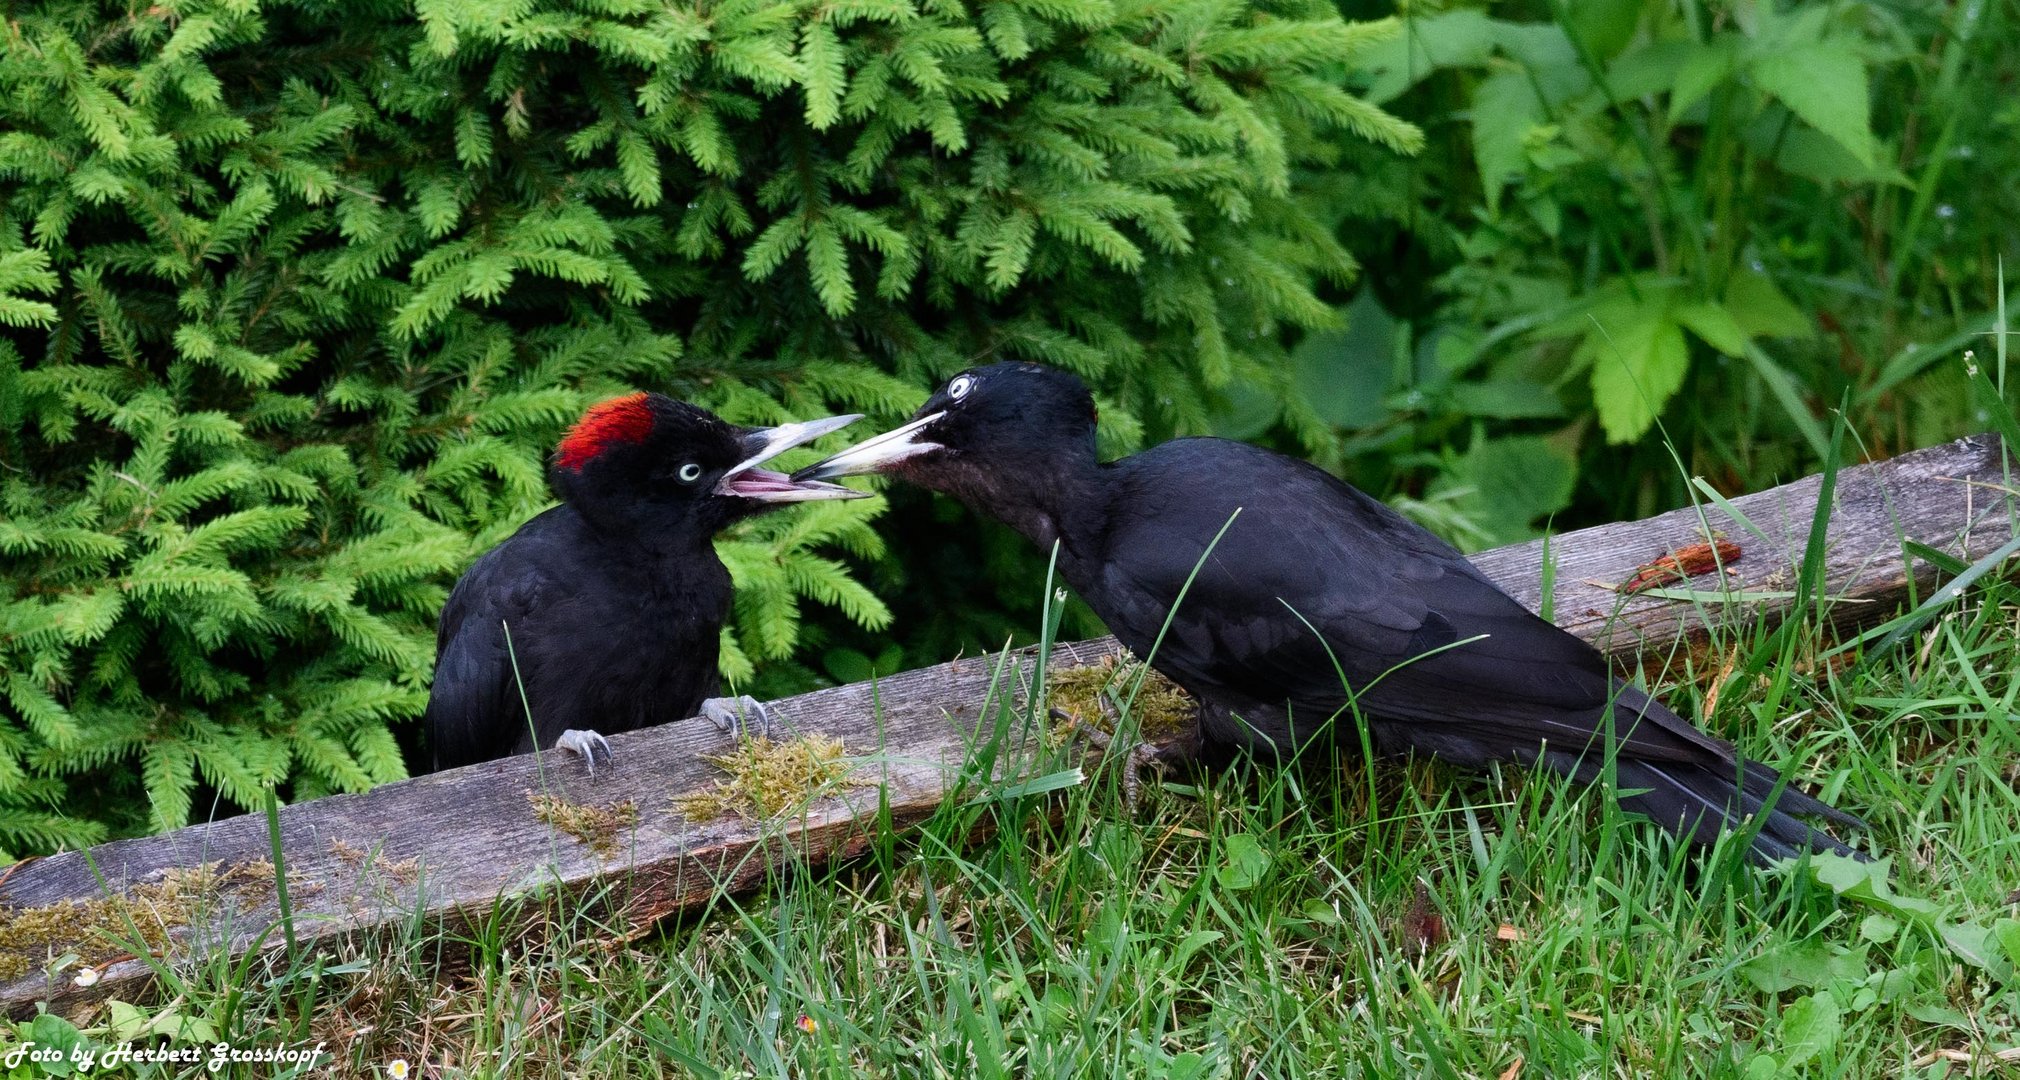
(1953, 498)
(453, 843)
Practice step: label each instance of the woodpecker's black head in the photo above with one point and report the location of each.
(988, 432)
(647, 460)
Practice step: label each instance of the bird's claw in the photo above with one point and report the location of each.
(1142, 756)
(587, 743)
(739, 717)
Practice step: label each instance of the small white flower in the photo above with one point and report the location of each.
(398, 1069)
(86, 976)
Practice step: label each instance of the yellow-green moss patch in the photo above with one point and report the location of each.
(401, 872)
(1162, 710)
(94, 929)
(600, 827)
(769, 779)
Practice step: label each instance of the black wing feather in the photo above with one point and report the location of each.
(474, 690)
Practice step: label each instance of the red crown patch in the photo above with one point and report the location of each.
(625, 419)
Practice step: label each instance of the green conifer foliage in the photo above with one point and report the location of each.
(298, 295)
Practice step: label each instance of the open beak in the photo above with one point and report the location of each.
(746, 481)
(873, 455)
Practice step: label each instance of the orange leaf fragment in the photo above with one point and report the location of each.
(1684, 562)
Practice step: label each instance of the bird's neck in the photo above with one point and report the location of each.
(1061, 502)
(649, 531)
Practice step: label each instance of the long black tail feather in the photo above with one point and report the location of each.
(1698, 802)
(1692, 784)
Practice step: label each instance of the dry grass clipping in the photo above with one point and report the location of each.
(769, 779)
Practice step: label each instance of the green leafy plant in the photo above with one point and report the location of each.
(1727, 217)
(1600, 118)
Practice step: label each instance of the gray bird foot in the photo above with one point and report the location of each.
(739, 717)
(587, 743)
(1141, 757)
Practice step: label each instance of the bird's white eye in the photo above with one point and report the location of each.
(959, 388)
(689, 473)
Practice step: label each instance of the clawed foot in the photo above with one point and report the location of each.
(739, 717)
(1142, 756)
(587, 743)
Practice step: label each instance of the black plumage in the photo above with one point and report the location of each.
(606, 610)
(1310, 588)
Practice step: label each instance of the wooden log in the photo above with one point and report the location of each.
(1954, 498)
(451, 845)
